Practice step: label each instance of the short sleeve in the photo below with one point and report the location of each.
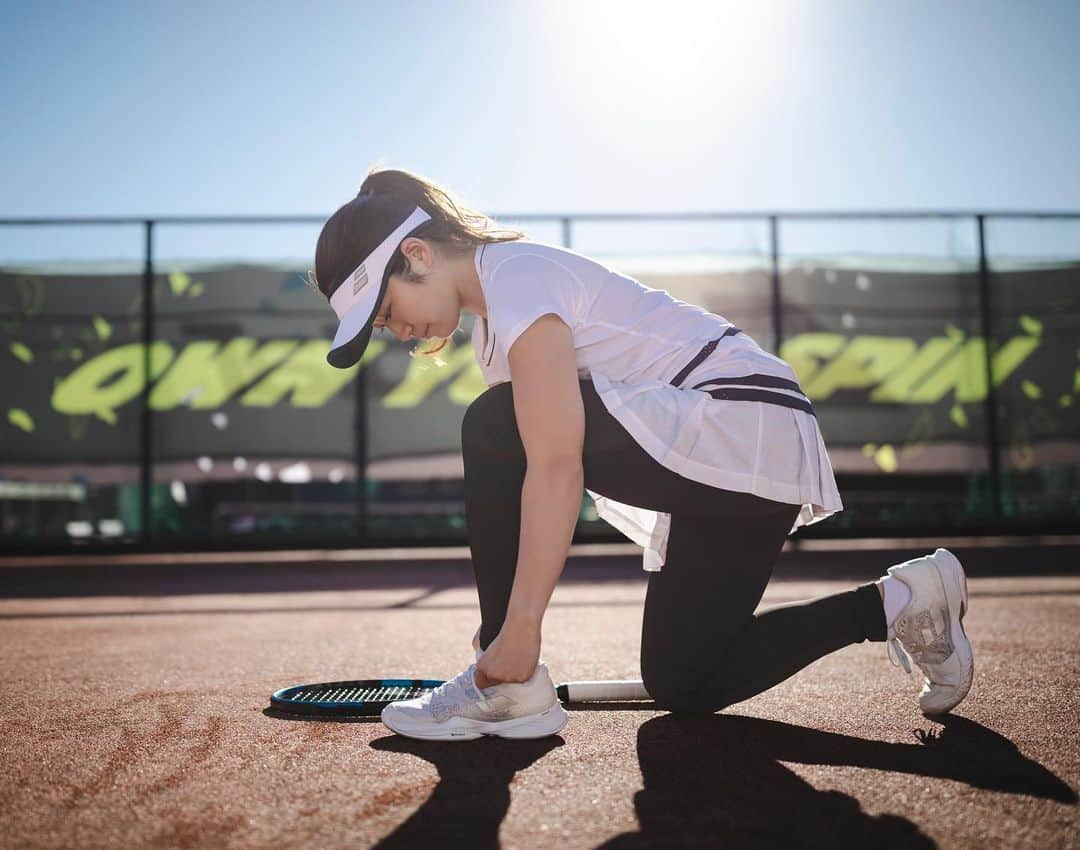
(526, 287)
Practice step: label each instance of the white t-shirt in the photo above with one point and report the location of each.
(647, 355)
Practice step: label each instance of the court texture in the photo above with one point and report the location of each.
(135, 712)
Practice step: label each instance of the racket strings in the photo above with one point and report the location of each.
(365, 694)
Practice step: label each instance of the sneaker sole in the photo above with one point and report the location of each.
(547, 722)
(954, 580)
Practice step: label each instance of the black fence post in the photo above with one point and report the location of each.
(774, 243)
(360, 455)
(994, 458)
(145, 431)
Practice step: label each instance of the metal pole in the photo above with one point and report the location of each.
(567, 236)
(360, 454)
(774, 240)
(146, 422)
(994, 466)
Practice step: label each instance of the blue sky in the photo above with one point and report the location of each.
(279, 108)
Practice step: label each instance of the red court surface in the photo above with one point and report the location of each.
(135, 714)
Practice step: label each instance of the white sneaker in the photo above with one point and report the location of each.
(458, 710)
(930, 629)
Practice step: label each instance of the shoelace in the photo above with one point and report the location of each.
(898, 657)
(456, 693)
(460, 685)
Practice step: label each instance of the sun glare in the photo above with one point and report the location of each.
(681, 47)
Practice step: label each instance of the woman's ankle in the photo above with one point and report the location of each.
(895, 596)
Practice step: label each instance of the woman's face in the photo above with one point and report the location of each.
(421, 310)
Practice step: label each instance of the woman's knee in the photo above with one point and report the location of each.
(683, 691)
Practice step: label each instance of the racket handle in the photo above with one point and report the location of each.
(610, 691)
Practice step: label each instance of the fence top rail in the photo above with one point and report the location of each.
(571, 217)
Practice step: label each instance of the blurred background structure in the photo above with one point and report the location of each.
(888, 198)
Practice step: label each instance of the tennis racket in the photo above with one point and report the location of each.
(365, 697)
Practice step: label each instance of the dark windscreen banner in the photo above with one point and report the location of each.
(237, 363)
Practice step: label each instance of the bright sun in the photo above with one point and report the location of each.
(680, 48)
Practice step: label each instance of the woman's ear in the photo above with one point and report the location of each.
(420, 254)
(416, 252)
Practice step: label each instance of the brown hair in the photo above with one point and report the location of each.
(386, 197)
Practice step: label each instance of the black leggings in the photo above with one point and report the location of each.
(702, 646)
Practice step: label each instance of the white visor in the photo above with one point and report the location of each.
(357, 298)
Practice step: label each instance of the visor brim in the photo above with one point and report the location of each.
(354, 332)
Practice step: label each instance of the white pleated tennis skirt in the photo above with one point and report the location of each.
(767, 449)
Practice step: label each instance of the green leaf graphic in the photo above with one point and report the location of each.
(21, 419)
(885, 458)
(103, 328)
(1031, 325)
(179, 282)
(22, 352)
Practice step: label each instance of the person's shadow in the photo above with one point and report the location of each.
(714, 780)
(472, 797)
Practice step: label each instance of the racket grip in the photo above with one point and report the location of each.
(614, 690)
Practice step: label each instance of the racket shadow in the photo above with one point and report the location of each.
(319, 718)
(620, 705)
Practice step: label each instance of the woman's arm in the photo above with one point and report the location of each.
(550, 506)
(550, 416)
(550, 501)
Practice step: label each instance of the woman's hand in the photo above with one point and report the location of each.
(512, 656)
